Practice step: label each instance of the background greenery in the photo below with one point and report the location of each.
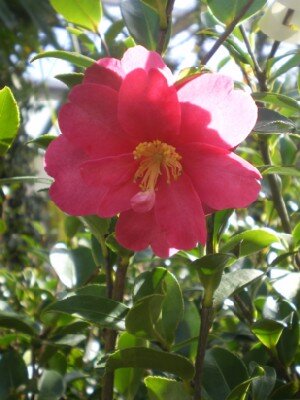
(62, 298)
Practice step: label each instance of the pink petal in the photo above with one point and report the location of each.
(109, 171)
(69, 191)
(226, 116)
(148, 108)
(139, 57)
(143, 201)
(89, 121)
(221, 178)
(107, 72)
(179, 213)
(136, 231)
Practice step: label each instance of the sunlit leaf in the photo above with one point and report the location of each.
(9, 119)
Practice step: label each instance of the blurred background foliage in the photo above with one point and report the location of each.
(56, 270)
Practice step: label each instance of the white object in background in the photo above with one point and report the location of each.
(272, 23)
(293, 4)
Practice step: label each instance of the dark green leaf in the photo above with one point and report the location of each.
(73, 267)
(241, 392)
(72, 224)
(86, 13)
(160, 388)
(159, 6)
(94, 309)
(278, 100)
(43, 141)
(13, 373)
(269, 122)
(72, 79)
(227, 11)
(249, 242)
(141, 357)
(74, 58)
(98, 226)
(16, 322)
(9, 119)
(263, 385)
(51, 386)
(142, 22)
(223, 371)
(268, 332)
(291, 63)
(233, 282)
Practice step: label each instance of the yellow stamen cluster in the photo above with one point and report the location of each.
(155, 155)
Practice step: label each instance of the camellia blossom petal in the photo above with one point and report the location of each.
(160, 156)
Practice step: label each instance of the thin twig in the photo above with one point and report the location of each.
(164, 30)
(227, 32)
(250, 51)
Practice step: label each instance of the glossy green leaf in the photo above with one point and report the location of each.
(223, 371)
(227, 11)
(72, 79)
(86, 13)
(241, 392)
(142, 357)
(51, 386)
(98, 226)
(9, 119)
(277, 100)
(127, 380)
(234, 281)
(13, 373)
(16, 322)
(270, 122)
(142, 317)
(268, 332)
(142, 22)
(43, 141)
(262, 386)
(160, 388)
(94, 309)
(249, 242)
(159, 6)
(281, 170)
(210, 269)
(74, 267)
(76, 59)
(287, 66)
(92, 290)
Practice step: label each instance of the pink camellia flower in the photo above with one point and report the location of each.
(159, 154)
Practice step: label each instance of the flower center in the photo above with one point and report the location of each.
(153, 157)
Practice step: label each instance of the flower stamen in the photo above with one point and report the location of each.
(153, 156)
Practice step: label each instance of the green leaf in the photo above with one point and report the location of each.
(165, 389)
(268, 332)
(43, 141)
(222, 372)
(13, 373)
(72, 225)
(227, 11)
(92, 290)
(234, 281)
(25, 179)
(74, 58)
(141, 357)
(74, 267)
(280, 170)
(241, 392)
(210, 269)
(159, 6)
(262, 386)
(86, 13)
(249, 242)
(127, 380)
(142, 22)
(94, 309)
(142, 317)
(72, 79)
(278, 100)
(98, 226)
(16, 322)
(51, 386)
(270, 122)
(291, 63)
(9, 119)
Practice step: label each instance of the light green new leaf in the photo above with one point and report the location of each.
(281, 170)
(74, 58)
(9, 119)
(142, 357)
(226, 11)
(278, 100)
(268, 331)
(165, 389)
(86, 13)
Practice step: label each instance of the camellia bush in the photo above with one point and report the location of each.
(160, 260)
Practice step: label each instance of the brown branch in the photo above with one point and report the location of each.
(164, 30)
(227, 32)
